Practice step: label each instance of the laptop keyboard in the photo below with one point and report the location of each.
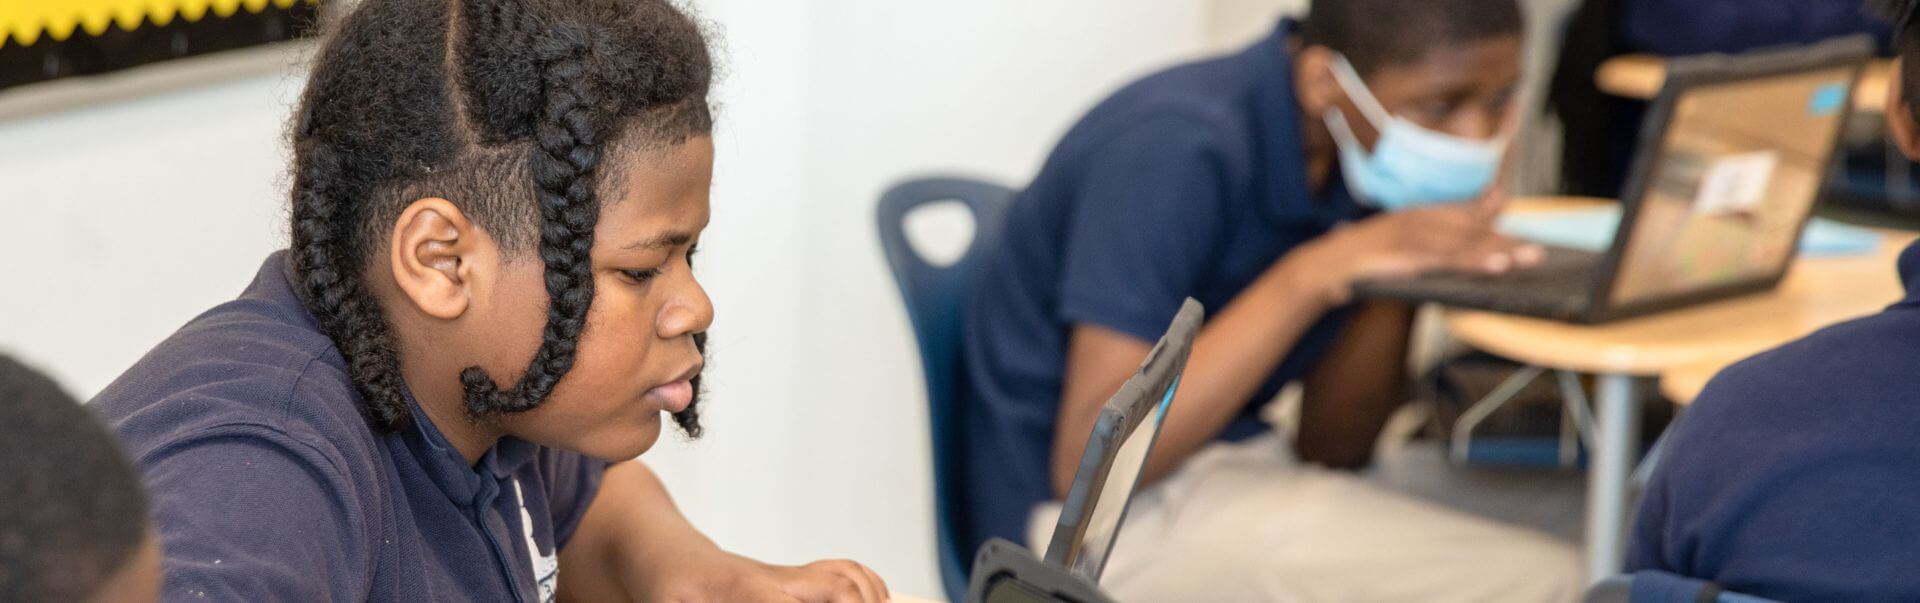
(1560, 287)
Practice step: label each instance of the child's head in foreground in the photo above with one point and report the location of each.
(73, 515)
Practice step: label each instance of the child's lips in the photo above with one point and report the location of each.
(673, 397)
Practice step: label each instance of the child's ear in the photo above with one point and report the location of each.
(1313, 81)
(1900, 121)
(437, 255)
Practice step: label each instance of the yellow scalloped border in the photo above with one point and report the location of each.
(26, 20)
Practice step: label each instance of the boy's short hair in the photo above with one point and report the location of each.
(1906, 44)
(1377, 33)
(72, 511)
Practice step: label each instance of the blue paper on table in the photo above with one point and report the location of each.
(1592, 229)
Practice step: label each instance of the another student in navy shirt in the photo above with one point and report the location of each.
(1360, 143)
(435, 394)
(1795, 475)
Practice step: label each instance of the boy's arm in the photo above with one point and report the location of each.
(1232, 356)
(1355, 387)
(1243, 342)
(634, 545)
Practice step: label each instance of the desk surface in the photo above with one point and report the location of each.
(1641, 75)
(1815, 293)
(1683, 384)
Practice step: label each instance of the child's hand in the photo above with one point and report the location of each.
(716, 575)
(1457, 236)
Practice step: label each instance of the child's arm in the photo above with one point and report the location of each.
(1356, 386)
(1243, 342)
(634, 545)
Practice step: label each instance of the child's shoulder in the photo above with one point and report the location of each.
(257, 362)
(1856, 364)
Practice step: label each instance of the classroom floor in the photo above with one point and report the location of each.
(1549, 500)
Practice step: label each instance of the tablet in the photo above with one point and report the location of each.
(1117, 450)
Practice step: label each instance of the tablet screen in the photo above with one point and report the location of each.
(1103, 521)
(1117, 451)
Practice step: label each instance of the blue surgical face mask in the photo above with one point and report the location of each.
(1410, 166)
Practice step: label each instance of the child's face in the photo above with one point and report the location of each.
(1462, 89)
(637, 351)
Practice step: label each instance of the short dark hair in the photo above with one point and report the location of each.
(75, 512)
(1377, 33)
(518, 111)
(1906, 44)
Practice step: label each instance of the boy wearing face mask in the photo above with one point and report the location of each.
(1361, 142)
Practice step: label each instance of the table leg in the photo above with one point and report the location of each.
(1613, 458)
(1617, 421)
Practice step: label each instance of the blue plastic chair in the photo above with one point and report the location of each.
(936, 297)
(1653, 586)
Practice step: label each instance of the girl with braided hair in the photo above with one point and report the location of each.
(437, 391)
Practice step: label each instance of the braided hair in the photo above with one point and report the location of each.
(505, 107)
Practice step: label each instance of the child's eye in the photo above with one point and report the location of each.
(641, 276)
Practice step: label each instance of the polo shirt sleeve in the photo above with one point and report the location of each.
(572, 482)
(1151, 211)
(248, 513)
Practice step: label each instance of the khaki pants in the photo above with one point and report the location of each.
(1246, 522)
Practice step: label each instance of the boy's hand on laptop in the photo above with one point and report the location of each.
(1454, 237)
(711, 574)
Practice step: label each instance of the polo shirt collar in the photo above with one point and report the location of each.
(464, 484)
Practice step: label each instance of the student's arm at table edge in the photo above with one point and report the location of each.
(635, 545)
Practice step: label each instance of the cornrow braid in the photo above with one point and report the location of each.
(329, 282)
(507, 108)
(564, 164)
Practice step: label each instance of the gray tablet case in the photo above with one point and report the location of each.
(1093, 512)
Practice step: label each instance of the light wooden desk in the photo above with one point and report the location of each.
(1641, 75)
(1817, 293)
(1620, 353)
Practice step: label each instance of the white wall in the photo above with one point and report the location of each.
(120, 220)
(125, 217)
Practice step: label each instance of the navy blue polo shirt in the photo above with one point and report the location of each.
(1190, 182)
(1795, 475)
(267, 484)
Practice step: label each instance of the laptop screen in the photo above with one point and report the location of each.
(1740, 166)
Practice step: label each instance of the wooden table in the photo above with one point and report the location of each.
(1641, 75)
(1816, 293)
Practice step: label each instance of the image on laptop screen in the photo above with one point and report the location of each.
(1103, 522)
(1741, 164)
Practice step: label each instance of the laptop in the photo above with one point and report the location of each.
(1732, 157)
(1096, 504)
